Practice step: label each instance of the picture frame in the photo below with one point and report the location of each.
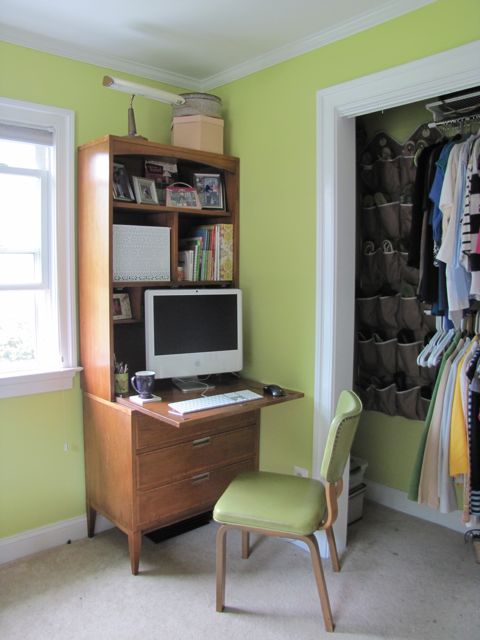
(181, 194)
(209, 187)
(145, 191)
(122, 309)
(121, 184)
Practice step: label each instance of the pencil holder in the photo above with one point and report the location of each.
(121, 384)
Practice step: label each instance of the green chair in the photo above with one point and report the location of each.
(286, 506)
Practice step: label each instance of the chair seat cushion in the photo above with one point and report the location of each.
(273, 501)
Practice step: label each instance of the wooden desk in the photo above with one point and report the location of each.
(147, 467)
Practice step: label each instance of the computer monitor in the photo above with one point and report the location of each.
(193, 332)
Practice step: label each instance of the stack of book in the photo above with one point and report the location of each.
(207, 254)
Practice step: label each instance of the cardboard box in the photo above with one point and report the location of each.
(198, 132)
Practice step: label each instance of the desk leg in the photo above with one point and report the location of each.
(91, 518)
(134, 547)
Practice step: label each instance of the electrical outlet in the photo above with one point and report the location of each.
(300, 471)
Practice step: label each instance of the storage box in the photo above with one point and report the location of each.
(355, 503)
(358, 467)
(140, 253)
(198, 132)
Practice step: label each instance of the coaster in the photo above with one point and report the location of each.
(139, 400)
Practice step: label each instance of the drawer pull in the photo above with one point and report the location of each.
(201, 442)
(201, 477)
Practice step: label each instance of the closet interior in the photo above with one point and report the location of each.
(418, 290)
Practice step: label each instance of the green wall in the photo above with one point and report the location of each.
(40, 482)
(270, 125)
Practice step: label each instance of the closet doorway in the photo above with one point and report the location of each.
(337, 108)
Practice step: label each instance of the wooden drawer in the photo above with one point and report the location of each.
(188, 458)
(151, 433)
(187, 497)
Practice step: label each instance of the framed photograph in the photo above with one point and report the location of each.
(162, 173)
(145, 192)
(121, 184)
(121, 306)
(209, 187)
(181, 194)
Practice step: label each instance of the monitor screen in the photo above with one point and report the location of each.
(193, 332)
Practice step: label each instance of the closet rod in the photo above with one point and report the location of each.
(460, 120)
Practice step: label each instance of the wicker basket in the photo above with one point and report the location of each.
(198, 104)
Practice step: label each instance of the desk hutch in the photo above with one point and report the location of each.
(147, 468)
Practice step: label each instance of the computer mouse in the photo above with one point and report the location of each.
(273, 390)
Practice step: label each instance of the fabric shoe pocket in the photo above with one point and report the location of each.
(367, 396)
(371, 224)
(386, 357)
(392, 269)
(385, 400)
(369, 176)
(367, 310)
(372, 276)
(387, 311)
(407, 170)
(410, 314)
(388, 172)
(367, 356)
(407, 403)
(405, 223)
(389, 217)
(407, 359)
(409, 274)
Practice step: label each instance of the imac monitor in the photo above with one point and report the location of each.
(193, 332)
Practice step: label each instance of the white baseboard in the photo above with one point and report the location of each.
(398, 500)
(53, 535)
(28, 542)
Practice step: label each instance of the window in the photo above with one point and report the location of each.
(37, 294)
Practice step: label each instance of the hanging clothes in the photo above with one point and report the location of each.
(447, 215)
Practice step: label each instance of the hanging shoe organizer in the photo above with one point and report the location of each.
(391, 324)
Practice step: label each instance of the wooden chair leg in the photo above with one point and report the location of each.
(245, 544)
(312, 543)
(221, 566)
(332, 545)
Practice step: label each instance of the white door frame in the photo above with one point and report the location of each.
(337, 108)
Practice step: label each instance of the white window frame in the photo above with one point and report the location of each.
(61, 122)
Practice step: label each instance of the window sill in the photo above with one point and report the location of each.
(26, 384)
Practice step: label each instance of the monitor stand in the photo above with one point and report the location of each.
(192, 383)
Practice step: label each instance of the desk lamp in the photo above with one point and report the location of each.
(140, 90)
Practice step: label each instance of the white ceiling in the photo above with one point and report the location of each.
(197, 44)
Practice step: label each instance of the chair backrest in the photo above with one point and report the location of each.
(340, 436)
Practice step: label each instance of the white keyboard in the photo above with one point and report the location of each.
(212, 402)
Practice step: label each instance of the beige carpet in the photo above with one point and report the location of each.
(402, 578)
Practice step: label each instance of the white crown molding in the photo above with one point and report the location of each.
(63, 49)
(389, 11)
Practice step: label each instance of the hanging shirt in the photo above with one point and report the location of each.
(446, 489)
(428, 488)
(452, 201)
(458, 453)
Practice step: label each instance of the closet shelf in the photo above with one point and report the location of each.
(460, 106)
